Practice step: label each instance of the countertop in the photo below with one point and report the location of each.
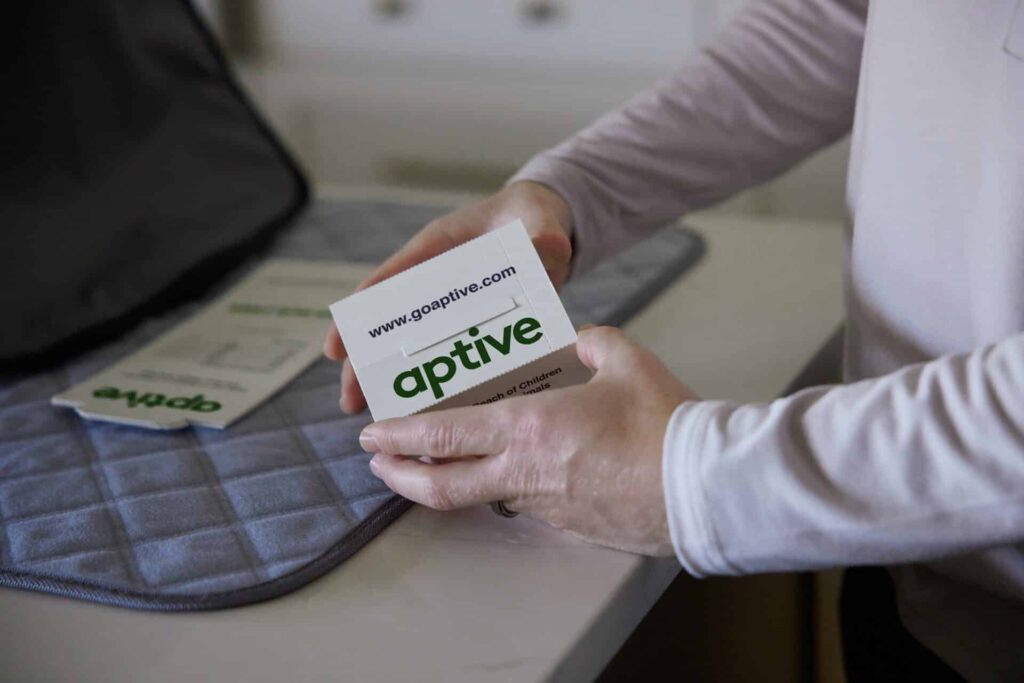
(470, 596)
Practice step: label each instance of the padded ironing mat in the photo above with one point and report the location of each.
(202, 518)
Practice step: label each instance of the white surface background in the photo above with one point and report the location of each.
(457, 94)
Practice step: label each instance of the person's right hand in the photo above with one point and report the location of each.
(548, 220)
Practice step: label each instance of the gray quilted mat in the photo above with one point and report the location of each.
(201, 518)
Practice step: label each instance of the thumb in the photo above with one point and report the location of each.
(605, 349)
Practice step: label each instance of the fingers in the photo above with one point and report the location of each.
(551, 242)
(553, 246)
(441, 486)
(429, 242)
(352, 399)
(334, 348)
(474, 430)
(426, 244)
(555, 251)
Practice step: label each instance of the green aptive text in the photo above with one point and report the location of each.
(146, 399)
(470, 356)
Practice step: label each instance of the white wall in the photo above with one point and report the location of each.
(455, 94)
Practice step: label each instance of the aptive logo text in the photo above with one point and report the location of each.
(136, 399)
(478, 352)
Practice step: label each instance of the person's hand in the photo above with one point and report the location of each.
(548, 220)
(586, 459)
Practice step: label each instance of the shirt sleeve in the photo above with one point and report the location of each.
(924, 463)
(778, 83)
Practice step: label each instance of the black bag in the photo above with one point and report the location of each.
(134, 171)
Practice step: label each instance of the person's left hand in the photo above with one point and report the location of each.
(586, 459)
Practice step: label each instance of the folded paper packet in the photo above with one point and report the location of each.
(476, 324)
(230, 357)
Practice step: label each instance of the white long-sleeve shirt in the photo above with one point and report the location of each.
(918, 462)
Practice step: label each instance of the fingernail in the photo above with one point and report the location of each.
(375, 467)
(368, 442)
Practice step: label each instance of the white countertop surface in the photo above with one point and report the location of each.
(469, 596)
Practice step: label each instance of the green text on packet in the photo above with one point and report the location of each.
(436, 371)
(135, 399)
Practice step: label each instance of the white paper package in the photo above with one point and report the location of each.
(235, 353)
(475, 324)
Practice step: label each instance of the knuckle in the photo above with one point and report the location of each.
(648, 363)
(609, 333)
(533, 424)
(526, 480)
(437, 496)
(387, 440)
(592, 335)
(441, 438)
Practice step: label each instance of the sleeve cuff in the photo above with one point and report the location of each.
(693, 533)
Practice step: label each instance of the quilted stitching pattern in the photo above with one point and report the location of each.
(199, 512)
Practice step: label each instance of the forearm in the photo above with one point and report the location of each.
(777, 84)
(924, 463)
